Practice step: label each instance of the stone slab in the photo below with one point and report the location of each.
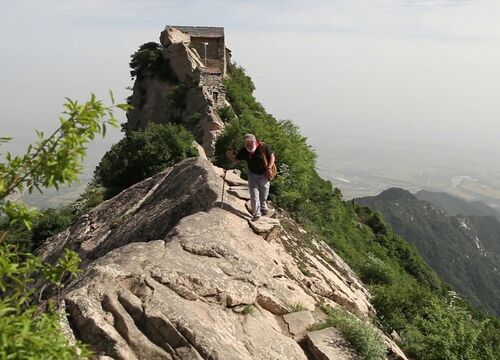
(234, 179)
(241, 192)
(298, 322)
(264, 224)
(329, 344)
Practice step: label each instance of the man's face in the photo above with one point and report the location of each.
(249, 143)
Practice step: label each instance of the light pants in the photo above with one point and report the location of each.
(259, 190)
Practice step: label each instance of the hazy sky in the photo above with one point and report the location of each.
(375, 72)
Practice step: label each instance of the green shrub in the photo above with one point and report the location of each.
(295, 159)
(93, 195)
(227, 114)
(248, 309)
(50, 223)
(148, 61)
(444, 331)
(27, 331)
(296, 307)
(376, 271)
(142, 154)
(362, 336)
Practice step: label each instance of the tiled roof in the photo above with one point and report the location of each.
(200, 31)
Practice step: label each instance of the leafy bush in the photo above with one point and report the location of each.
(227, 114)
(26, 331)
(50, 223)
(295, 158)
(375, 271)
(406, 289)
(148, 61)
(93, 195)
(362, 336)
(142, 154)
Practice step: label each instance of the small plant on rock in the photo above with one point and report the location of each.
(249, 309)
(296, 307)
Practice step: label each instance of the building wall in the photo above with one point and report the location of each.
(213, 83)
(215, 47)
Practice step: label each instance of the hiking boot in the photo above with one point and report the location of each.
(265, 212)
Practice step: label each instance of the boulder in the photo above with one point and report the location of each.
(146, 211)
(264, 224)
(150, 103)
(200, 149)
(182, 61)
(234, 179)
(299, 322)
(172, 35)
(241, 192)
(329, 344)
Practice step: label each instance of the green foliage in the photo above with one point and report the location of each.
(25, 331)
(376, 271)
(148, 61)
(93, 195)
(54, 160)
(295, 158)
(361, 335)
(406, 290)
(448, 333)
(227, 114)
(142, 154)
(248, 309)
(296, 307)
(50, 223)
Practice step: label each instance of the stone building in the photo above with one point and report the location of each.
(208, 43)
(193, 92)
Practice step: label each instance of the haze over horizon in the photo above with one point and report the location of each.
(398, 86)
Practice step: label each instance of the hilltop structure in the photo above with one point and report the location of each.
(209, 46)
(190, 90)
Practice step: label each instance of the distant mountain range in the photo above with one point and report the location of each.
(459, 239)
(454, 206)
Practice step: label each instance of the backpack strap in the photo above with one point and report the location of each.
(263, 154)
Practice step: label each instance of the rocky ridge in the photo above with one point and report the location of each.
(169, 273)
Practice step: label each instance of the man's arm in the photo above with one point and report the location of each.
(270, 164)
(271, 161)
(232, 156)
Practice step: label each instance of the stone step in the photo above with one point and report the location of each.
(241, 192)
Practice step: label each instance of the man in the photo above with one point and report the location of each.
(258, 173)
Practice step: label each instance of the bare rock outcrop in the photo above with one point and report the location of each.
(171, 35)
(169, 274)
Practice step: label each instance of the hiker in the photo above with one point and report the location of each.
(258, 174)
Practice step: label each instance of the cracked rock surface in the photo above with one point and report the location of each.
(169, 274)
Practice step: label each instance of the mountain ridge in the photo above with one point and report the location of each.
(462, 249)
(453, 205)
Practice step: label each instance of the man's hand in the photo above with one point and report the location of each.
(270, 166)
(231, 156)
